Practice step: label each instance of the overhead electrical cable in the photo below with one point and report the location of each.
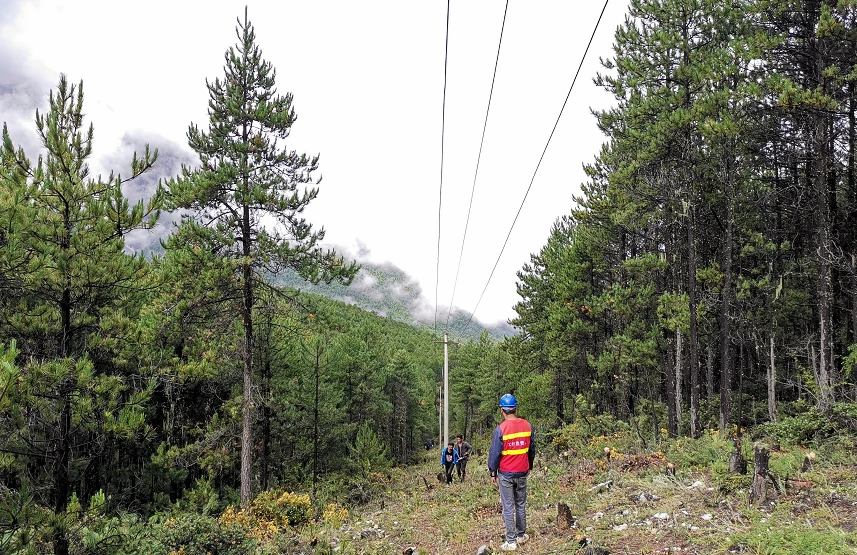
(478, 158)
(440, 193)
(567, 96)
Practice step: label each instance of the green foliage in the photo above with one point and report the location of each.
(587, 436)
(697, 453)
(849, 363)
(370, 459)
(202, 498)
(800, 429)
(191, 534)
(369, 453)
(790, 540)
(282, 506)
(729, 482)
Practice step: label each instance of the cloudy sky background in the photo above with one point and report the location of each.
(367, 79)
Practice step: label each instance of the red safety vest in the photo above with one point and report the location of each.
(516, 435)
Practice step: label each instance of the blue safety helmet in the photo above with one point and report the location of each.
(508, 401)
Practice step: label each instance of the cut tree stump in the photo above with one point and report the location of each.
(564, 518)
(759, 493)
(807, 462)
(737, 463)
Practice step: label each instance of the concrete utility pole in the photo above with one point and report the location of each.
(445, 392)
(440, 415)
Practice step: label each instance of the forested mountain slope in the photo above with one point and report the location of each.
(388, 291)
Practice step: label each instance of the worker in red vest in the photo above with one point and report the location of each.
(510, 459)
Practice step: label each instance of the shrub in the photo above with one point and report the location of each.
(698, 453)
(334, 515)
(268, 514)
(588, 436)
(800, 429)
(284, 507)
(191, 534)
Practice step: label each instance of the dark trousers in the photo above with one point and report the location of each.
(448, 467)
(461, 468)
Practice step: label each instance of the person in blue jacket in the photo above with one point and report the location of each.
(448, 458)
(510, 459)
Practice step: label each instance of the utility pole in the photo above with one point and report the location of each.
(440, 415)
(443, 404)
(445, 392)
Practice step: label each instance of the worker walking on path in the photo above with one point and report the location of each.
(448, 458)
(463, 449)
(510, 459)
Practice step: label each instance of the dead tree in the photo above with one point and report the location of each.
(737, 463)
(807, 462)
(564, 518)
(759, 492)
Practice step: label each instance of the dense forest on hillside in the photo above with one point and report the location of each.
(706, 278)
(388, 291)
(710, 264)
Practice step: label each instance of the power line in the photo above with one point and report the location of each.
(440, 193)
(567, 96)
(478, 158)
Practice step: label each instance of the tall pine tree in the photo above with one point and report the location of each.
(72, 284)
(246, 181)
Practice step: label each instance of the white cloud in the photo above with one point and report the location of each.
(367, 79)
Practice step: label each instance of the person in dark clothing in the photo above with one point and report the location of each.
(448, 458)
(510, 459)
(463, 449)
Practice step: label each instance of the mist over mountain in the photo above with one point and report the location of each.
(388, 291)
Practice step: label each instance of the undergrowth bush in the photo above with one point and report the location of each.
(191, 534)
(698, 453)
(729, 482)
(587, 436)
(800, 429)
(269, 513)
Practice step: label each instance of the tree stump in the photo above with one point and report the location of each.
(564, 518)
(759, 492)
(807, 462)
(737, 463)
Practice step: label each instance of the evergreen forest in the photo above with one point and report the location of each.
(192, 399)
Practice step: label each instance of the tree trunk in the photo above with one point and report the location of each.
(63, 449)
(672, 417)
(678, 378)
(852, 217)
(821, 168)
(726, 314)
(759, 493)
(315, 418)
(61, 467)
(741, 362)
(693, 347)
(559, 394)
(247, 398)
(266, 423)
(772, 384)
(709, 371)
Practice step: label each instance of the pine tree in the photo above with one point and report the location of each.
(247, 180)
(72, 282)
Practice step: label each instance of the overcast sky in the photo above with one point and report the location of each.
(367, 79)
